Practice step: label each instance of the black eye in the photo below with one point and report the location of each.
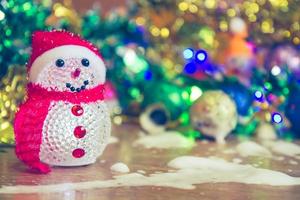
(59, 62)
(85, 62)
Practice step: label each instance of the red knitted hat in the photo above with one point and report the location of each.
(43, 41)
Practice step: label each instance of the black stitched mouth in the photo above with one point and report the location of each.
(78, 89)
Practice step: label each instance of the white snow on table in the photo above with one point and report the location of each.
(120, 167)
(189, 171)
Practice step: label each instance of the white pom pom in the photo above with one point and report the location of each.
(237, 25)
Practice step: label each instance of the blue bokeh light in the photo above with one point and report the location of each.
(201, 56)
(190, 68)
(148, 75)
(258, 95)
(276, 118)
(188, 53)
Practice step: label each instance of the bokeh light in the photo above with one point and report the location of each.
(188, 53)
(200, 56)
(277, 118)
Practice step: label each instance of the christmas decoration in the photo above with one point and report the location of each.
(65, 16)
(266, 108)
(154, 119)
(169, 95)
(240, 94)
(214, 114)
(175, 25)
(284, 57)
(198, 65)
(238, 58)
(11, 95)
(64, 120)
(18, 18)
(271, 92)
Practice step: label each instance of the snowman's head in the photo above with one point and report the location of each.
(67, 67)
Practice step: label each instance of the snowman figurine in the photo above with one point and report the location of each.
(64, 121)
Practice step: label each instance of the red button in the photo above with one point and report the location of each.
(79, 132)
(77, 110)
(78, 153)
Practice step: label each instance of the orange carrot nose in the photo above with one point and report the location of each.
(75, 73)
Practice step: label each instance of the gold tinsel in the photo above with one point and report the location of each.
(177, 24)
(65, 12)
(12, 92)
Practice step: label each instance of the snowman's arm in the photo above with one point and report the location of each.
(28, 127)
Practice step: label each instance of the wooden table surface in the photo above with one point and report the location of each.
(13, 172)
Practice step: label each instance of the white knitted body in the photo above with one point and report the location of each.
(59, 141)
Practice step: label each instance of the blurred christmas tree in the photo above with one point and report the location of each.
(176, 25)
(18, 19)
